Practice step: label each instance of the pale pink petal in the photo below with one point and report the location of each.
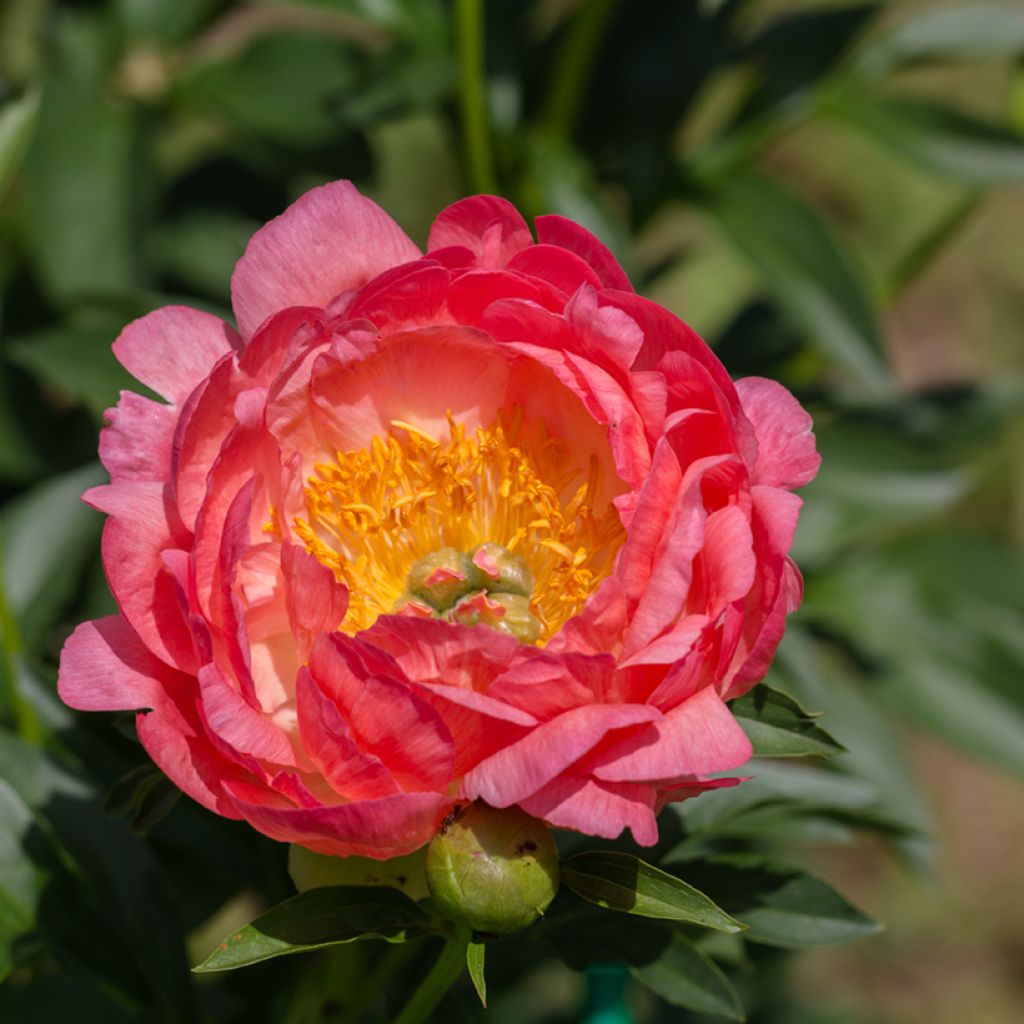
(329, 241)
(172, 349)
(786, 454)
(136, 442)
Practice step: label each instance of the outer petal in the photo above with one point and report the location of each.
(329, 241)
(172, 349)
(597, 808)
(561, 231)
(388, 827)
(786, 455)
(490, 227)
(136, 443)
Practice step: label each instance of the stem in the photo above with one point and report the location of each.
(573, 66)
(469, 31)
(449, 965)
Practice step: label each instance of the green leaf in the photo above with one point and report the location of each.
(620, 881)
(475, 964)
(938, 139)
(83, 169)
(17, 122)
(780, 904)
(46, 537)
(76, 361)
(20, 879)
(787, 242)
(685, 976)
(963, 32)
(319, 918)
(778, 727)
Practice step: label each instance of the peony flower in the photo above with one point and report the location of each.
(480, 524)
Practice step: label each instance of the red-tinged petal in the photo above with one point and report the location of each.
(387, 719)
(388, 827)
(786, 453)
(555, 230)
(241, 726)
(467, 223)
(685, 790)
(136, 443)
(548, 685)
(403, 297)
(430, 651)
(520, 770)
(143, 523)
(470, 295)
(105, 667)
(329, 241)
(172, 349)
(274, 345)
(416, 377)
(698, 737)
(353, 772)
(596, 808)
(315, 600)
(599, 626)
(565, 270)
(727, 562)
(671, 646)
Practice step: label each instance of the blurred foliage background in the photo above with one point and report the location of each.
(824, 190)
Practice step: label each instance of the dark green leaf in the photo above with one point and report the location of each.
(778, 727)
(47, 535)
(964, 31)
(319, 918)
(780, 904)
(20, 878)
(684, 976)
(145, 794)
(790, 246)
(620, 881)
(475, 964)
(76, 361)
(938, 139)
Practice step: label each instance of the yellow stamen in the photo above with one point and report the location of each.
(373, 512)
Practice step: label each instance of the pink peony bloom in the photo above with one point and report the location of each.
(477, 524)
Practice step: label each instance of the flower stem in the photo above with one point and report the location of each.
(469, 33)
(449, 965)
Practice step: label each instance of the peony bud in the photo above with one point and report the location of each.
(494, 871)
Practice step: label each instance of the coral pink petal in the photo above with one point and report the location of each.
(555, 230)
(316, 602)
(596, 808)
(547, 685)
(241, 726)
(521, 769)
(698, 737)
(329, 241)
(787, 456)
(467, 221)
(404, 297)
(470, 295)
(565, 270)
(142, 524)
(172, 349)
(105, 667)
(136, 443)
(326, 737)
(387, 719)
(390, 826)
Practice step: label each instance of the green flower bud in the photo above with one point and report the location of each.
(497, 569)
(507, 613)
(493, 871)
(441, 578)
(311, 870)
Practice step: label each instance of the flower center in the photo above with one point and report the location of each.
(374, 513)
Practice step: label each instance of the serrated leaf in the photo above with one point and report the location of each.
(778, 727)
(780, 904)
(963, 32)
(938, 139)
(685, 976)
(802, 266)
(319, 918)
(620, 881)
(475, 965)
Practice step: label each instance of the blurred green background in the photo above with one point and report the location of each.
(826, 191)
